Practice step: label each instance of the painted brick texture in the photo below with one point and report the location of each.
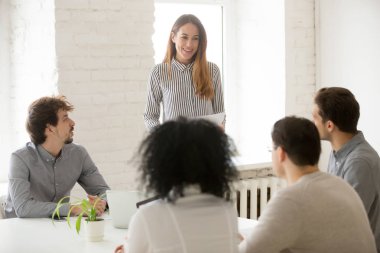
(104, 56)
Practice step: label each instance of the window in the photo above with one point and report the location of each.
(4, 90)
(27, 69)
(247, 41)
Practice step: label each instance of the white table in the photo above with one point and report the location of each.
(42, 236)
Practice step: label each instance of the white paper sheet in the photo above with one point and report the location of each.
(217, 118)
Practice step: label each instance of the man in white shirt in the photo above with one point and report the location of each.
(317, 212)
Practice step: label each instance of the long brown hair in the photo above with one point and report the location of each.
(201, 73)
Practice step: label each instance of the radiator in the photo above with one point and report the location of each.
(252, 195)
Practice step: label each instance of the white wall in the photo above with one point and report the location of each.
(348, 45)
(300, 57)
(104, 56)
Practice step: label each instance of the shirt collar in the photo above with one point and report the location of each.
(180, 66)
(349, 146)
(46, 156)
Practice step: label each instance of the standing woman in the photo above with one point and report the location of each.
(185, 82)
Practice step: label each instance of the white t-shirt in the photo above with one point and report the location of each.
(195, 223)
(319, 213)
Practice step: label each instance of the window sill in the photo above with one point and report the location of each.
(248, 169)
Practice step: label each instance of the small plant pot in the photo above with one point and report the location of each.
(94, 230)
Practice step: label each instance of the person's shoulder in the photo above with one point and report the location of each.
(323, 176)
(327, 179)
(364, 151)
(212, 65)
(153, 205)
(28, 150)
(160, 67)
(158, 70)
(362, 156)
(156, 208)
(27, 154)
(304, 185)
(318, 179)
(343, 186)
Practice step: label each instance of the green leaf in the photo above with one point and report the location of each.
(92, 216)
(79, 220)
(88, 210)
(56, 210)
(68, 216)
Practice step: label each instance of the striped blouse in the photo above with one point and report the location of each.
(177, 94)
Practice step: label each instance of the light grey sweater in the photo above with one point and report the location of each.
(319, 213)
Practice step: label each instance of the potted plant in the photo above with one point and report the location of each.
(94, 226)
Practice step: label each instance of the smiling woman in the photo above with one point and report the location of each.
(246, 41)
(185, 83)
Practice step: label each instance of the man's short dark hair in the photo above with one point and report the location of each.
(340, 106)
(299, 138)
(186, 152)
(44, 111)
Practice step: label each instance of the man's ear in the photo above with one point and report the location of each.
(330, 126)
(281, 154)
(49, 129)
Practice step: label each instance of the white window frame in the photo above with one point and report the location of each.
(239, 124)
(4, 89)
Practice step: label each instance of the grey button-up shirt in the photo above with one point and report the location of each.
(359, 164)
(37, 180)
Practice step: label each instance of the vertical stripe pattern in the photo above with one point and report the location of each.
(177, 94)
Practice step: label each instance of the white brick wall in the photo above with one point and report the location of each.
(300, 57)
(103, 60)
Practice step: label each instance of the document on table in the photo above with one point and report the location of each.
(217, 118)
